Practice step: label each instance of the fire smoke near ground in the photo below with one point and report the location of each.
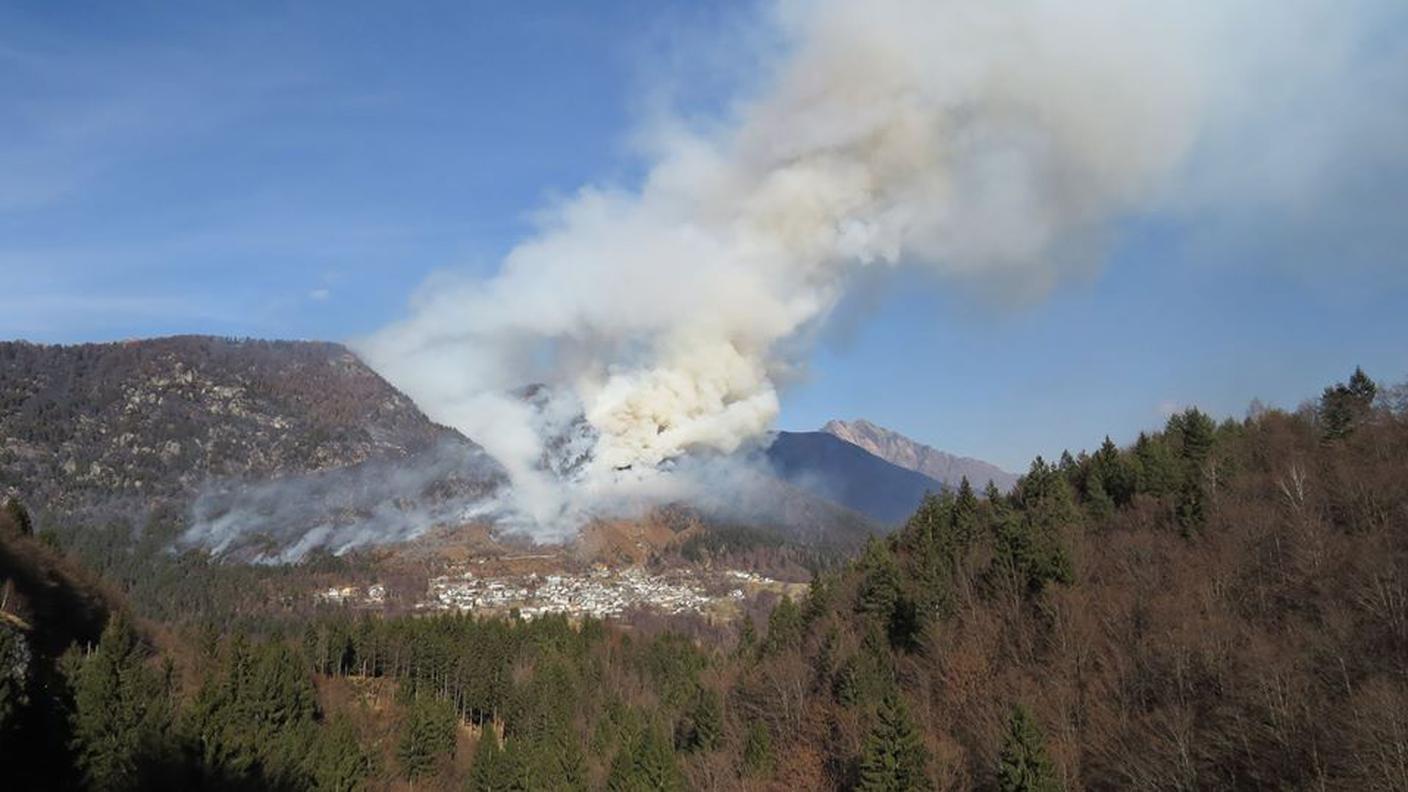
(992, 140)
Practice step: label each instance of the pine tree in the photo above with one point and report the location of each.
(490, 771)
(701, 728)
(645, 764)
(339, 764)
(1023, 766)
(894, 758)
(1343, 405)
(1197, 432)
(122, 709)
(428, 735)
(784, 627)
(880, 587)
(757, 750)
(1097, 499)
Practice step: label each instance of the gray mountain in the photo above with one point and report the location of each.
(247, 441)
(843, 473)
(897, 449)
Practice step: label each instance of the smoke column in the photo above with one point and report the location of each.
(994, 140)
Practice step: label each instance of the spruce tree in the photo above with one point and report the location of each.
(880, 587)
(757, 750)
(701, 728)
(645, 764)
(339, 764)
(894, 758)
(429, 734)
(1023, 766)
(122, 709)
(490, 771)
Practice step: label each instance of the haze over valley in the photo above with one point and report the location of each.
(769, 395)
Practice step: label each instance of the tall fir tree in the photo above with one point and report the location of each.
(429, 735)
(894, 758)
(1022, 765)
(122, 710)
(491, 770)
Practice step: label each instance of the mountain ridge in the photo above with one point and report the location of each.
(911, 454)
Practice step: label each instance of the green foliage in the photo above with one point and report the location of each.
(1157, 468)
(1023, 766)
(255, 714)
(1191, 507)
(757, 750)
(1195, 432)
(894, 758)
(339, 764)
(1343, 405)
(880, 586)
(784, 627)
(122, 710)
(701, 728)
(492, 771)
(1027, 547)
(645, 764)
(428, 735)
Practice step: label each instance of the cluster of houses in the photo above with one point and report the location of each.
(600, 593)
(374, 594)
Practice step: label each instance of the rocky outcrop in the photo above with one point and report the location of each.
(897, 449)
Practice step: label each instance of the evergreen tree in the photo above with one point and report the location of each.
(646, 764)
(429, 734)
(747, 635)
(1197, 432)
(784, 627)
(1023, 766)
(965, 515)
(1343, 405)
(1191, 509)
(1097, 500)
(894, 758)
(1027, 546)
(701, 728)
(880, 587)
(491, 772)
(1157, 472)
(122, 710)
(339, 763)
(757, 750)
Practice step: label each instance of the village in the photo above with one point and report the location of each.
(600, 592)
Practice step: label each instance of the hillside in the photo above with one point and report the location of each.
(831, 468)
(897, 449)
(1216, 606)
(100, 432)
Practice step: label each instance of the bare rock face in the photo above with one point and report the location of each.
(899, 450)
(139, 424)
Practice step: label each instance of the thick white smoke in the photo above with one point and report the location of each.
(992, 138)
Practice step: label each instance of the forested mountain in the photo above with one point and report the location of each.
(831, 468)
(1217, 606)
(897, 449)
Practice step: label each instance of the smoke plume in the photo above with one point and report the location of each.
(993, 140)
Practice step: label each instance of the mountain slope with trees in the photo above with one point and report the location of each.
(1218, 605)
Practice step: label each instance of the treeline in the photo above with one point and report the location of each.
(1218, 605)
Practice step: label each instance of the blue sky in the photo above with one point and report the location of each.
(298, 170)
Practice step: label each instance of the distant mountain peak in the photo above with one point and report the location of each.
(897, 449)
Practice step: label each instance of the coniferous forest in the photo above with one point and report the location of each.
(1218, 605)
